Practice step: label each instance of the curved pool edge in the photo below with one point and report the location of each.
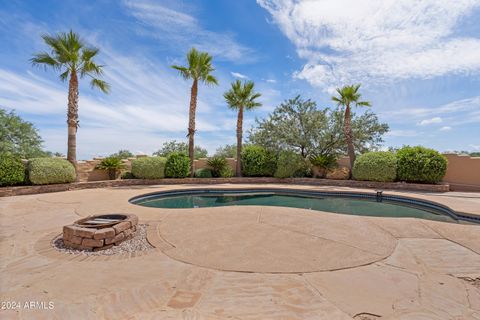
(458, 216)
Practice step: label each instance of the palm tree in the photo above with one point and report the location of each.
(73, 59)
(347, 96)
(199, 69)
(241, 97)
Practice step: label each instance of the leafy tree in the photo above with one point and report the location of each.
(474, 154)
(122, 154)
(175, 146)
(241, 97)
(227, 151)
(347, 96)
(199, 68)
(19, 137)
(298, 125)
(73, 59)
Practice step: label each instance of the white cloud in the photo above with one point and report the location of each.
(402, 133)
(271, 81)
(475, 147)
(374, 41)
(446, 128)
(177, 28)
(238, 75)
(433, 120)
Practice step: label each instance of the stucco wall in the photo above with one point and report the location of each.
(463, 172)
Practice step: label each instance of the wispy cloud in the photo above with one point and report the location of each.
(445, 128)
(271, 81)
(349, 41)
(433, 120)
(174, 27)
(238, 75)
(455, 112)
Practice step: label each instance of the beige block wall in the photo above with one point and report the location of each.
(463, 172)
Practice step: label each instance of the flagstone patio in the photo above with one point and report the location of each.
(240, 262)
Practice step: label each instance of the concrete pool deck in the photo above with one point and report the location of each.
(241, 262)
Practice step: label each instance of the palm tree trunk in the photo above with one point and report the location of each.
(239, 141)
(191, 125)
(72, 118)
(349, 136)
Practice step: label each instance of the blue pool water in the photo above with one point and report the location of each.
(355, 204)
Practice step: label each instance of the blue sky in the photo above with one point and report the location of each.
(418, 63)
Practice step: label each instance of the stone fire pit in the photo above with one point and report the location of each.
(100, 232)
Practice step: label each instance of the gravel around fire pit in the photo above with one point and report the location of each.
(137, 243)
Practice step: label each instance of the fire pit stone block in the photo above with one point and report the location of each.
(92, 233)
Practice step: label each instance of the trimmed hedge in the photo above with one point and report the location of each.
(149, 168)
(50, 171)
(289, 165)
(177, 166)
(257, 162)
(375, 166)
(12, 170)
(419, 164)
(203, 173)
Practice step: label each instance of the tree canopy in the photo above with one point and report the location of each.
(298, 125)
(19, 137)
(227, 151)
(175, 146)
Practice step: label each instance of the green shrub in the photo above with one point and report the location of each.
(257, 162)
(217, 164)
(419, 164)
(127, 175)
(111, 164)
(203, 173)
(149, 167)
(12, 170)
(177, 166)
(289, 165)
(226, 172)
(50, 171)
(375, 166)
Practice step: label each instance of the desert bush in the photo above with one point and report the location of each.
(375, 166)
(203, 173)
(149, 167)
(127, 175)
(419, 164)
(12, 170)
(177, 166)
(257, 162)
(290, 164)
(50, 171)
(226, 172)
(217, 164)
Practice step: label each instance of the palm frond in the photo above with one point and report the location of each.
(185, 72)
(64, 75)
(46, 60)
(100, 84)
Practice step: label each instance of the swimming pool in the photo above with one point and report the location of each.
(362, 204)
